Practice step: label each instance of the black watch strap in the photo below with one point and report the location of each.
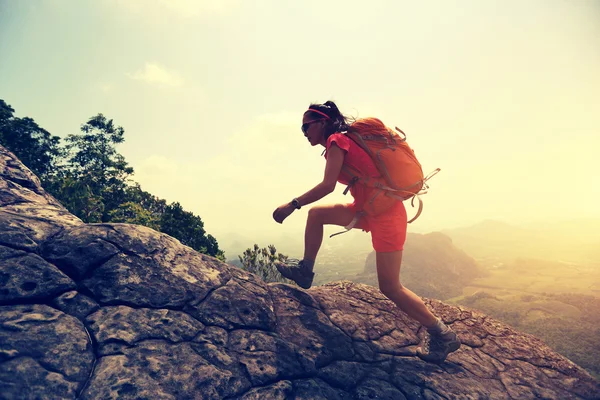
(296, 204)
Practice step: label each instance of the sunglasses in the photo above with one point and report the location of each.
(306, 125)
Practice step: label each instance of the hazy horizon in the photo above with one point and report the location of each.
(502, 96)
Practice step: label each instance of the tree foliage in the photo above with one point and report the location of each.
(261, 262)
(134, 213)
(93, 180)
(189, 229)
(95, 164)
(34, 146)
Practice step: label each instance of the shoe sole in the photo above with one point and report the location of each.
(451, 347)
(284, 272)
(306, 286)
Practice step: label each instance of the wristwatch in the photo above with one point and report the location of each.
(296, 204)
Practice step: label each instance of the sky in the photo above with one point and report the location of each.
(503, 96)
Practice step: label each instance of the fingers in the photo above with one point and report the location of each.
(277, 216)
(280, 214)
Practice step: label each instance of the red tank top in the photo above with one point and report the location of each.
(358, 159)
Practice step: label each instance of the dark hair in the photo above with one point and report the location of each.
(337, 122)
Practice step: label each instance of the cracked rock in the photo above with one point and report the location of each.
(119, 311)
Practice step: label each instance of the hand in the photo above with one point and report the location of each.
(282, 212)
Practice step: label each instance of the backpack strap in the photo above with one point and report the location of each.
(390, 192)
(396, 192)
(351, 225)
(418, 195)
(403, 134)
(351, 172)
(412, 203)
(431, 175)
(419, 210)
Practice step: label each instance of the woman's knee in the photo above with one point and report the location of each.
(316, 213)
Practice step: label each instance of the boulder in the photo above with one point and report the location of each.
(107, 311)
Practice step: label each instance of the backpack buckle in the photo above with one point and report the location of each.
(352, 182)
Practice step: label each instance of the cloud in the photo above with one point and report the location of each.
(153, 73)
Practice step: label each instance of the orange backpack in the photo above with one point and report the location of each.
(401, 173)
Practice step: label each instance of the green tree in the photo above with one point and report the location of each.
(77, 197)
(6, 112)
(33, 145)
(261, 262)
(134, 213)
(150, 202)
(139, 207)
(92, 180)
(96, 164)
(189, 229)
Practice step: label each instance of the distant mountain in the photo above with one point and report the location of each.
(571, 240)
(567, 322)
(432, 266)
(587, 229)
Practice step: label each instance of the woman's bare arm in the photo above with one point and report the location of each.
(335, 159)
(333, 167)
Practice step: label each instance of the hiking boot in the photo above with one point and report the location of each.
(296, 271)
(437, 346)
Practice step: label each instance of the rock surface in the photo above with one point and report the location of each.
(107, 311)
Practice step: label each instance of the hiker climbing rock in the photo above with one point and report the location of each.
(380, 171)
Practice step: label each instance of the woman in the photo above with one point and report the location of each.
(322, 124)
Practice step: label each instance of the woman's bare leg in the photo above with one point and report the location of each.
(302, 272)
(388, 275)
(388, 264)
(338, 214)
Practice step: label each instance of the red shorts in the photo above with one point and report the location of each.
(388, 230)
